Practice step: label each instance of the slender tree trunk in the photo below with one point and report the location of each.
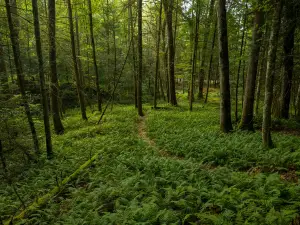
(225, 113)
(77, 75)
(58, 126)
(39, 52)
(239, 66)
(14, 37)
(3, 72)
(157, 57)
(288, 47)
(165, 50)
(168, 6)
(204, 49)
(99, 97)
(140, 59)
(248, 106)
(266, 125)
(194, 58)
(78, 50)
(210, 61)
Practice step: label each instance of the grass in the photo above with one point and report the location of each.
(216, 178)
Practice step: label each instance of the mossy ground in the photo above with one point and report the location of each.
(189, 172)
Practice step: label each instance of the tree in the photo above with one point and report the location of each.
(76, 69)
(248, 106)
(225, 107)
(273, 42)
(3, 72)
(168, 8)
(140, 59)
(14, 37)
(157, 57)
(58, 126)
(288, 47)
(204, 48)
(39, 52)
(99, 97)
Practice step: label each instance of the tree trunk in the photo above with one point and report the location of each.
(99, 97)
(77, 75)
(157, 57)
(168, 7)
(39, 52)
(194, 58)
(165, 51)
(78, 56)
(239, 67)
(288, 47)
(3, 72)
(140, 59)
(266, 125)
(248, 106)
(204, 49)
(58, 126)
(210, 61)
(225, 104)
(14, 37)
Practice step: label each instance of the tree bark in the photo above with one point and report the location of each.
(77, 75)
(204, 49)
(288, 47)
(39, 52)
(168, 7)
(248, 106)
(225, 104)
(240, 64)
(157, 57)
(14, 37)
(99, 97)
(3, 72)
(273, 42)
(140, 59)
(58, 126)
(194, 57)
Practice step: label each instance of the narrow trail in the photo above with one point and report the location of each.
(142, 132)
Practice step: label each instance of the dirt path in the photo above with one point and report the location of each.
(142, 132)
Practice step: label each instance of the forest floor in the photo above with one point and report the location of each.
(170, 167)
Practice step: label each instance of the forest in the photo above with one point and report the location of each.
(150, 112)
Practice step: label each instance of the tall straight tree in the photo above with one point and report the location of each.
(99, 97)
(14, 37)
(168, 8)
(76, 69)
(39, 52)
(140, 58)
(225, 104)
(157, 57)
(58, 126)
(3, 72)
(209, 20)
(271, 67)
(288, 46)
(194, 57)
(248, 106)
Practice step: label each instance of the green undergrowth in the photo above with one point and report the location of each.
(131, 183)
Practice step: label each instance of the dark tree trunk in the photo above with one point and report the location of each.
(157, 57)
(194, 57)
(210, 62)
(266, 125)
(58, 126)
(225, 104)
(78, 50)
(14, 37)
(239, 67)
(77, 75)
(39, 52)
(288, 47)
(248, 106)
(168, 7)
(140, 59)
(99, 97)
(204, 49)
(3, 72)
